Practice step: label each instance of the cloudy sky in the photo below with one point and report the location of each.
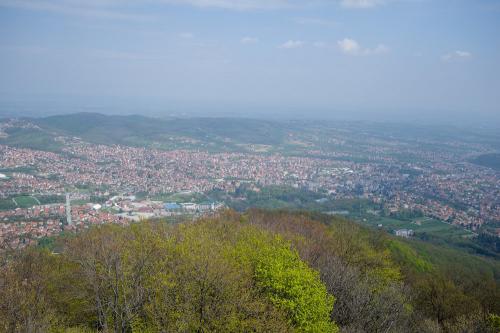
(324, 57)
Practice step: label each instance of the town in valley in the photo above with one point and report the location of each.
(378, 176)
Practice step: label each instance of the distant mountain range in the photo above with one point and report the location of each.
(236, 134)
(488, 160)
(136, 130)
(101, 128)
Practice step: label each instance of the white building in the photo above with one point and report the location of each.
(405, 233)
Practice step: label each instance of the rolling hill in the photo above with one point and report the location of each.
(105, 129)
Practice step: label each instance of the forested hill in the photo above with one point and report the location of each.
(488, 160)
(260, 271)
(97, 127)
(108, 129)
(224, 134)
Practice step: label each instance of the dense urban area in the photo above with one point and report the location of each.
(143, 223)
(45, 191)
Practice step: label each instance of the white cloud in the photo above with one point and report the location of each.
(352, 47)
(349, 46)
(456, 55)
(463, 54)
(379, 49)
(249, 40)
(292, 44)
(361, 3)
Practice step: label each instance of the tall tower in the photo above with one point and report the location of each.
(68, 210)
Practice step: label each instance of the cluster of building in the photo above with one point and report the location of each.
(22, 226)
(405, 233)
(437, 182)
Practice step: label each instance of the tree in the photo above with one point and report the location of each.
(288, 282)
(115, 265)
(24, 287)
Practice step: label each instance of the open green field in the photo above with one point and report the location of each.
(419, 225)
(7, 204)
(78, 202)
(180, 197)
(431, 231)
(23, 169)
(25, 201)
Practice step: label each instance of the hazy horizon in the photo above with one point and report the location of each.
(38, 107)
(387, 60)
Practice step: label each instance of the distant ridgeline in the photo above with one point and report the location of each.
(488, 160)
(217, 134)
(260, 271)
(210, 133)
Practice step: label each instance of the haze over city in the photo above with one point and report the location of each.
(398, 60)
(288, 166)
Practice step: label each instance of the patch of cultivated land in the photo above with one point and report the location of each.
(419, 225)
(25, 201)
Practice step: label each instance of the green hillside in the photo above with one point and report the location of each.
(260, 271)
(211, 134)
(37, 139)
(488, 160)
(105, 129)
(237, 134)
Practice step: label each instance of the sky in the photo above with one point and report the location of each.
(373, 59)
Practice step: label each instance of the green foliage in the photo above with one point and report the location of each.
(405, 254)
(363, 278)
(22, 169)
(7, 204)
(50, 199)
(489, 241)
(289, 283)
(488, 160)
(494, 321)
(28, 201)
(138, 130)
(25, 201)
(441, 283)
(24, 305)
(257, 272)
(296, 289)
(287, 197)
(31, 138)
(357, 246)
(157, 277)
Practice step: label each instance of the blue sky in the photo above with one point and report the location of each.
(379, 58)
